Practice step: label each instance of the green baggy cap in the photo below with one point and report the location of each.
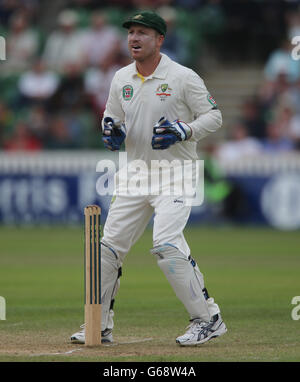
(149, 19)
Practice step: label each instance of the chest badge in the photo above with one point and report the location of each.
(163, 91)
(127, 92)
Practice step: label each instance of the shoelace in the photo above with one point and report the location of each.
(195, 325)
(104, 332)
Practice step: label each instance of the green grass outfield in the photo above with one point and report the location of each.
(252, 273)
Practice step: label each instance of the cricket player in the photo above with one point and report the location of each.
(160, 110)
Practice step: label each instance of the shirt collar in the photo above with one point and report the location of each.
(161, 69)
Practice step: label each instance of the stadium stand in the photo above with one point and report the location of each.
(233, 47)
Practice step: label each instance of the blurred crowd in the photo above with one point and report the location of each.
(59, 65)
(270, 119)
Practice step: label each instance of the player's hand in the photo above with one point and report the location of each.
(166, 133)
(113, 134)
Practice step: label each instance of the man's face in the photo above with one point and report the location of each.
(143, 42)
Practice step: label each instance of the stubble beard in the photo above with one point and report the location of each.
(147, 57)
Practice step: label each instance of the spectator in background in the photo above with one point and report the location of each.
(148, 4)
(38, 120)
(9, 7)
(294, 131)
(71, 104)
(281, 61)
(293, 23)
(97, 82)
(175, 46)
(69, 95)
(252, 119)
(290, 96)
(21, 45)
(6, 122)
(291, 101)
(275, 141)
(189, 4)
(101, 40)
(224, 195)
(211, 22)
(22, 139)
(271, 91)
(92, 4)
(58, 134)
(240, 145)
(64, 46)
(71, 131)
(38, 84)
(288, 122)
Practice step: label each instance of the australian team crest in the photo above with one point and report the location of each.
(127, 92)
(163, 91)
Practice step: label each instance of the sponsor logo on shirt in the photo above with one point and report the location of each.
(178, 201)
(127, 92)
(212, 101)
(163, 91)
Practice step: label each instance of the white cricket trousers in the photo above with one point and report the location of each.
(128, 217)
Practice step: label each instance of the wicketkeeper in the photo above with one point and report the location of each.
(160, 109)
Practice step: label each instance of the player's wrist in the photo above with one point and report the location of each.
(185, 130)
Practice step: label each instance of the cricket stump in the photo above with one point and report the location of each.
(92, 276)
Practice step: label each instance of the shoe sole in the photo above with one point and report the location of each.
(106, 342)
(76, 341)
(217, 333)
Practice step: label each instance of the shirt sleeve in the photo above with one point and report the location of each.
(207, 116)
(113, 107)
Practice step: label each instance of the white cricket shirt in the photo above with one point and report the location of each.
(172, 91)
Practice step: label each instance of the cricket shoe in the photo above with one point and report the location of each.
(199, 332)
(79, 337)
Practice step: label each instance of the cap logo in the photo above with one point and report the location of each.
(138, 17)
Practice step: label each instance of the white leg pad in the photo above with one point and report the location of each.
(186, 281)
(110, 283)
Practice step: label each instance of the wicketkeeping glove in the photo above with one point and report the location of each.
(113, 134)
(167, 133)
